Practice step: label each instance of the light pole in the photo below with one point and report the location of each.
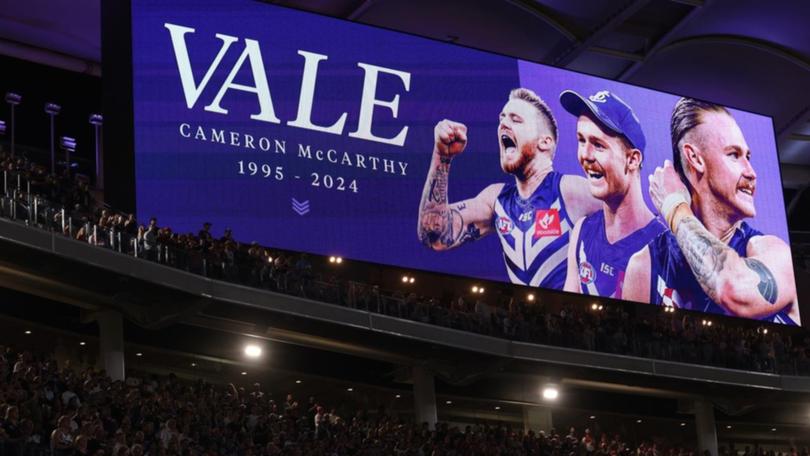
(52, 109)
(97, 120)
(13, 100)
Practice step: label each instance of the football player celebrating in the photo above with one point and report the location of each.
(532, 215)
(710, 259)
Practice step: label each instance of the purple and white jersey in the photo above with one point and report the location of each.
(534, 233)
(602, 264)
(672, 282)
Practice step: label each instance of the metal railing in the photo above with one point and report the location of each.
(292, 274)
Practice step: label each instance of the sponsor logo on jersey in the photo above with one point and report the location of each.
(504, 225)
(526, 216)
(586, 273)
(547, 223)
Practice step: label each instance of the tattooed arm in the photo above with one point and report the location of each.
(754, 286)
(442, 225)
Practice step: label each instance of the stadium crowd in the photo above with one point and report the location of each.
(46, 408)
(66, 204)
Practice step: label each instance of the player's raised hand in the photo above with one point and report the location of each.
(664, 182)
(451, 138)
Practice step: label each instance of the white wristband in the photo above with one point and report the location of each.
(672, 201)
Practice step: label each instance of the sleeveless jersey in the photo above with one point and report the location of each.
(534, 233)
(672, 282)
(601, 264)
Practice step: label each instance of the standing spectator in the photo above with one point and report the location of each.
(150, 240)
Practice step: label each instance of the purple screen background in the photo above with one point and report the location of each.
(184, 182)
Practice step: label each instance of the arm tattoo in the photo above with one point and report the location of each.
(705, 254)
(767, 283)
(437, 220)
(470, 234)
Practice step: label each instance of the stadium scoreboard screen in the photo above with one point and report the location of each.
(315, 134)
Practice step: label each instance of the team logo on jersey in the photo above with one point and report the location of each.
(669, 296)
(504, 225)
(547, 223)
(599, 97)
(525, 217)
(586, 273)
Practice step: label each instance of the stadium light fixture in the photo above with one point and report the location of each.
(139, 354)
(551, 393)
(408, 279)
(27, 332)
(253, 351)
(82, 343)
(13, 100)
(244, 372)
(335, 259)
(530, 297)
(298, 382)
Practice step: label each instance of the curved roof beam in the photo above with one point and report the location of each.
(359, 10)
(662, 41)
(782, 131)
(737, 40)
(609, 24)
(541, 13)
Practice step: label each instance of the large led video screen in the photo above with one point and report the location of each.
(319, 135)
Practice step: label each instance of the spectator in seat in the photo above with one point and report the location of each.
(61, 438)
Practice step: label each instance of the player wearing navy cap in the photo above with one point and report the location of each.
(532, 215)
(711, 260)
(610, 151)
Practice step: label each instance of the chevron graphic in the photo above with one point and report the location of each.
(300, 207)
